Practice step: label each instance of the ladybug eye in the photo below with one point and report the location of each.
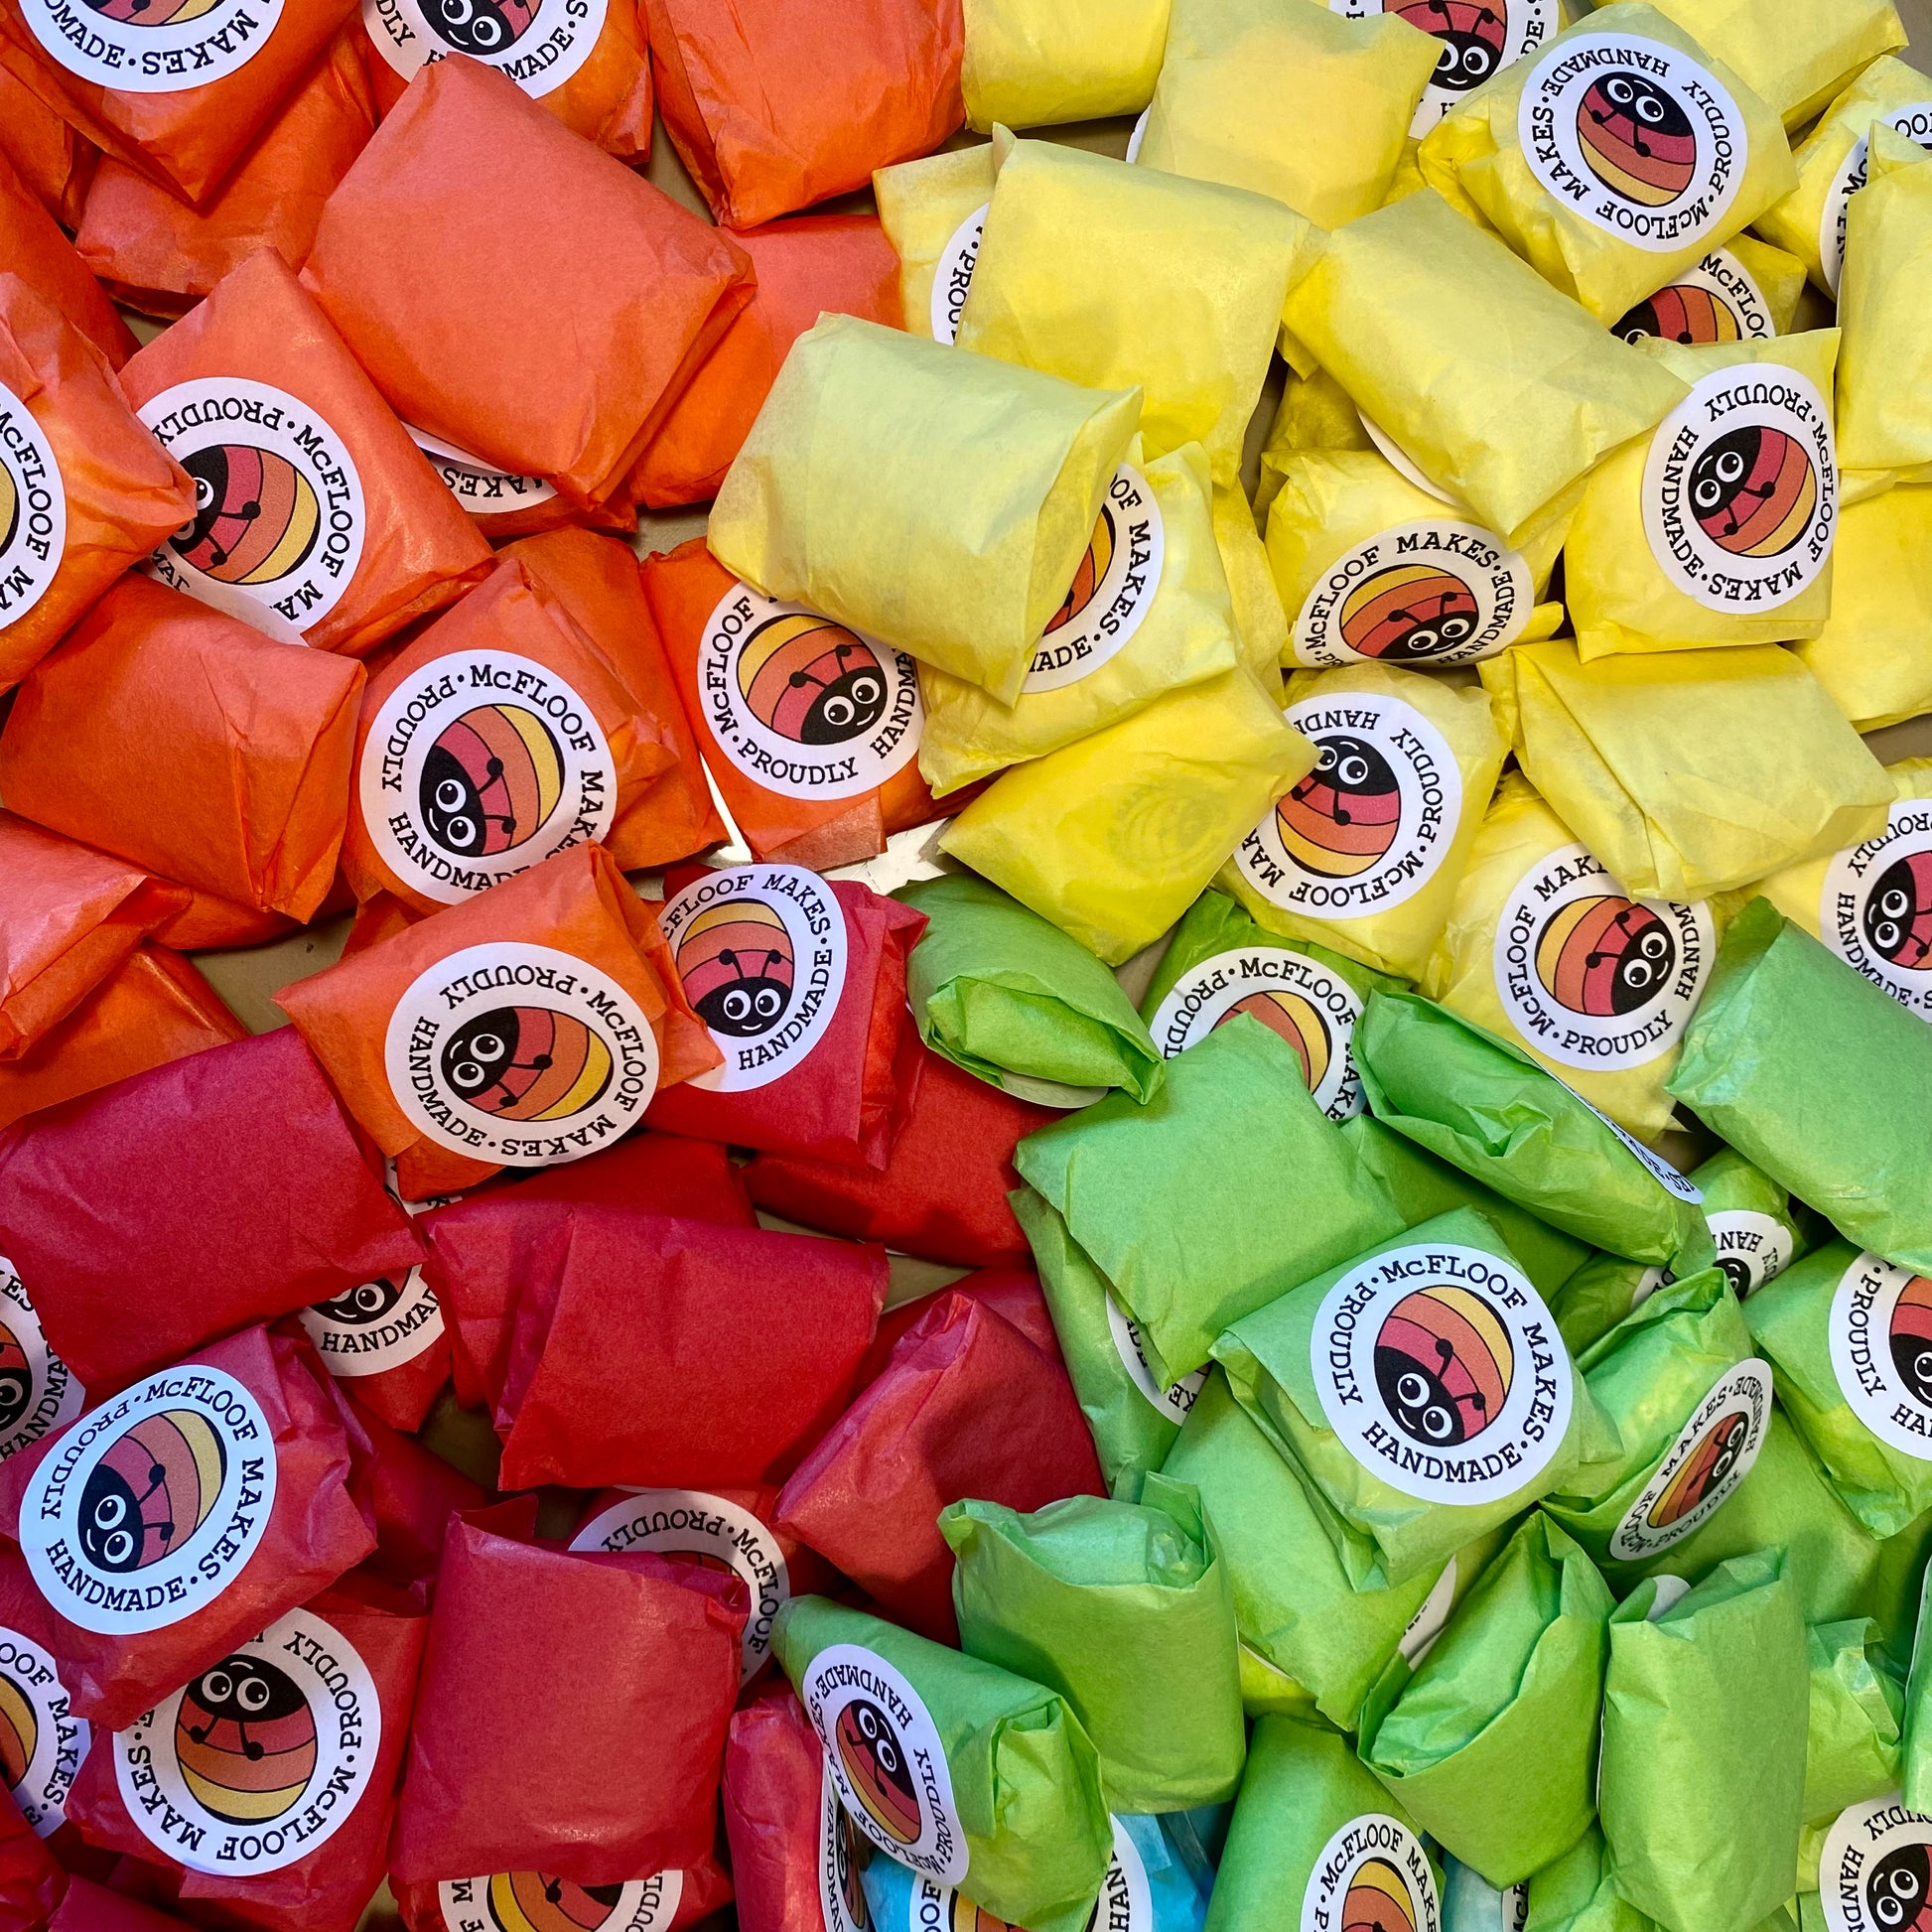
(737, 1003)
(1730, 466)
(252, 1694)
(217, 1687)
(109, 1511)
(1650, 108)
(1412, 1391)
(867, 690)
(1352, 770)
(449, 796)
(767, 1003)
(203, 492)
(1619, 92)
(839, 711)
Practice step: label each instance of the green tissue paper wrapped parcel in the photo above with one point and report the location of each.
(1853, 1732)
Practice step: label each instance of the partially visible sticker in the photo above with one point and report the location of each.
(1874, 1874)
(39, 1393)
(1880, 1337)
(42, 1741)
(1372, 1874)
(1428, 1622)
(33, 508)
(376, 1327)
(1753, 1248)
(952, 274)
(176, 46)
(481, 487)
(1171, 1404)
(1717, 301)
(538, 44)
(1659, 1170)
(539, 1901)
(1915, 124)
(1876, 909)
(1479, 39)
(1402, 462)
(1112, 591)
(842, 1856)
(1715, 1451)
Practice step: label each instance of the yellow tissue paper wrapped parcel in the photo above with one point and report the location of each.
(940, 501)
(1113, 838)
(1363, 855)
(1547, 951)
(932, 211)
(1112, 275)
(1688, 772)
(1260, 622)
(1500, 390)
(1719, 529)
(1038, 63)
(1149, 612)
(1875, 653)
(1619, 156)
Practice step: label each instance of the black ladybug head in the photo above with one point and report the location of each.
(1911, 1355)
(1898, 1891)
(1897, 916)
(111, 1518)
(453, 805)
(1417, 1396)
(1738, 1272)
(245, 1691)
(748, 1005)
(361, 1306)
(479, 26)
(850, 703)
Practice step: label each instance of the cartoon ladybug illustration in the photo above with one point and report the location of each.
(151, 12)
(20, 1731)
(1897, 914)
(527, 1063)
(1912, 1338)
(965, 1916)
(490, 781)
(365, 1304)
(850, 1856)
(245, 1740)
(1378, 1899)
(1091, 574)
(1443, 1362)
(811, 680)
(736, 962)
(1683, 313)
(1705, 1472)
(1473, 38)
(16, 1378)
(478, 27)
(875, 1762)
(1604, 955)
(256, 516)
(151, 1490)
(1343, 818)
(1898, 1889)
(1636, 139)
(1408, 614)
(539, 1901)
(9, 509)
(1297, 1022)
(1738, 1272)
(1753, 492)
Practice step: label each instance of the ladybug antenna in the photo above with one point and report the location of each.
(840, 652)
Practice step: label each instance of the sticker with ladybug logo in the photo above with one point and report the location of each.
(149, 1506)
(1717, 301)
(842, 1855)
(538, 44)
(1432, 594)
(33, 511)
(1753, 1248)
(801, 705)
(1713, 1454)
(1479, 39)
(1876, 909)
(540, 1902)
(261, 1759)
(762, 954)
(882, 1750)
(1441, 1370)
(1313, 1009)
(1634, 136)
(42, 1742)
(1881, 1335)
(1914, 122)
(1368, 827)
(1592, 978)
(38, 1391)
(1741, 488)
(481, 487)
(152, 47)
(1112, 591)
(1372, 1876)
(520, 1054)
(383, 1324)
(478, 767)
(1875, 1871)
(952, 274)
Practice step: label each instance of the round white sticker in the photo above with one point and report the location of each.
(1369, 826)
(1874, 1874)
(1314, 1009)
(1479, 39)
(521, 1902)
(1753, 1248)
(1741, 488)
(538, 44)
(952, 274)
(1880, 1333)
(33, 508)
(1915, 124)
(1713, 1454)
(259, 1760)
(1113, 590)
(1717, 301)
(883, 1751)
(1430, 592)
(150, 1505)
(520, 1054)
(478, 767)
(842, 1856)
(481, 487)
(1442, 1372)
(1402, 462)
(137, 49)
(42, 1742)
(1372, 1873)
(714, 1531)
(1171, 1404)
(761, 951)
(378, 1325)
(1876, 910)
(39, 1393)
(801, 705)
(1126, 1902)
(1591, 978)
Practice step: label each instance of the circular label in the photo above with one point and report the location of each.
(1876, 909)
(150, 1505)
(520, 1054)
(1440, 1371)
(1401, 460)
(1172, 1404)
(1374, 1874)
(1313, 1009)
(481, 487)
(479, 767)
(1126, 1901)
(1368, 827)
(143, 48)
(842, 1856)
(1717, 301)
(38, 1391)
(42, 1742)
(952, 273)
(1915, 124)
(1430, 592)
(1712, 1456)
(709, 1530)
(1741, 488)
(1635, 137)
(1874, 1874)
(33, 508)
(538, 1901)
(539, 44)
(882, 1750)
(1479, 39)
(762, 954)
(261, 1759)
(1880, 1337)
(1116, 584)
(1753, 1248)
(378, 1325)
(1595, 979)
(801, 705)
